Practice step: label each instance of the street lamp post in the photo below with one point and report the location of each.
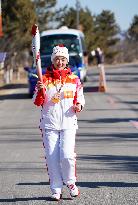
(77, 15)
(1, 33)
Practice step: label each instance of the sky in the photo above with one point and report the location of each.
(124, 10)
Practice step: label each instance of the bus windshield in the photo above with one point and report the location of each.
(69, 40)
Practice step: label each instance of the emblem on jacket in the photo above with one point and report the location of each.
(56, 98)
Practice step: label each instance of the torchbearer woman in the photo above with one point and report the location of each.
(62, 99)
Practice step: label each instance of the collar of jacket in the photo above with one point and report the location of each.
(56, 74)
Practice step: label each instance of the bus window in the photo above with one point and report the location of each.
(70, 41)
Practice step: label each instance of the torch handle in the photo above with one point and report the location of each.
(40, 77)
(36, 53)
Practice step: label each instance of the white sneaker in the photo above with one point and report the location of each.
(56, 196)
(74, 191)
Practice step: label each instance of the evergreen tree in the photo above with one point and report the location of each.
(106, 31)
(133, 30)
(44, 10)
(18, 18)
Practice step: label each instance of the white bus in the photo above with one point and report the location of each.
(71, 38)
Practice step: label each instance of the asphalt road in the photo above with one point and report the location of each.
(106, 144)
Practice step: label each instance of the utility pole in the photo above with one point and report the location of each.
(1, 33)
(77, 14)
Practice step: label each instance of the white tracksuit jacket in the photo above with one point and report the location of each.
(60, 116)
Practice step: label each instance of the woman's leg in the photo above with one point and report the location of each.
(51, 143)
(68, 156)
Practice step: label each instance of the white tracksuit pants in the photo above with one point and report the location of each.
(60, 157)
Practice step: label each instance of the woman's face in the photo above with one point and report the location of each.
(60, 62)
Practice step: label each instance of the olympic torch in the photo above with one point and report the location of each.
(36, 52)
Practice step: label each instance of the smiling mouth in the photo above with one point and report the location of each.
(60, 65)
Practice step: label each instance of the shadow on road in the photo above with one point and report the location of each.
(14, 86)
(109, 120)
(32, 199)
(90, 89)
(89, 184)
(130, 102)
(106, 137)
(113, 162)
(17, 96)
(33, 183)
(106, 184)
(121, 73)
(26, 199)
(9, 96)
(123, 80)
